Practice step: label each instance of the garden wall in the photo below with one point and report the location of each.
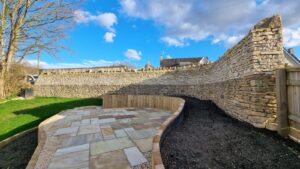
(241, 82)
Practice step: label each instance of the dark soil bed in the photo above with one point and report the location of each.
(208, 138)
(17, 154)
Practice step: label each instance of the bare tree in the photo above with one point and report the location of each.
(28, 26)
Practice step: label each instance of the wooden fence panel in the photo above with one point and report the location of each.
(293, 99)
(142, 101)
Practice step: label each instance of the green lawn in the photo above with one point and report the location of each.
(20, 115)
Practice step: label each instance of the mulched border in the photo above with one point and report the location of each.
(209, 138)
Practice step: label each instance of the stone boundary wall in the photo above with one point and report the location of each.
(241, 82)
(83, 70)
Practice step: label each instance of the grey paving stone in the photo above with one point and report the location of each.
(108, 120)
(120, 133)
(72, 160)
(151, 131)
(88, 129)
(155, 114)
(68, 130)
(145, 145)
(81, 139)
(165, 113)
(129, 129)
(110, 160)
(74, 141)
(72, 149)
(94, 121)
(109, 137)
(140, 134)
(110, 145)
(91, 138)
(125, 120)
(84, 113)
(74, 117)
(85, 121)
(134, 156)
(104, 126)
(75, 124)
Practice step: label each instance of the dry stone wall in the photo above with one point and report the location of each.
(241, 82)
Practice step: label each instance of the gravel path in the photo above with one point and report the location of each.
(210, 139)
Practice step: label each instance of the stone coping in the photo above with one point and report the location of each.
(157, 162)
(95, 70)
(42, 139)
(16, 136)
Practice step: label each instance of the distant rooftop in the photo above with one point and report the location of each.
(291, 59)
(181, 61)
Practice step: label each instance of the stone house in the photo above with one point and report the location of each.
(183, 61)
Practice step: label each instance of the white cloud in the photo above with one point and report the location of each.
(109, 37)
(81, 16)
(199, 19)
(133, 54)
(84, 64)
(291, 37)
(228, 40)
(107, 20)
(169, 57)
(34, 63)
(172, 41)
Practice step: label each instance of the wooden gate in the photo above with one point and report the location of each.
(288, 102)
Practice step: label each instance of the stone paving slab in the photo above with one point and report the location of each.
(144, 145)
(120, 133)
(83, 147)
(92, 137)
(89, 129)
(68, 130)
(110, 160)
(110, 145)
(134, 156)
(72, 160)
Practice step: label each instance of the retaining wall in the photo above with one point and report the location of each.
(241, 82)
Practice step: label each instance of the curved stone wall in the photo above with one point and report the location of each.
(241, 82)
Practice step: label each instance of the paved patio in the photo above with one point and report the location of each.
(92, 137)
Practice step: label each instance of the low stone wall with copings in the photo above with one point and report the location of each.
(241, 82)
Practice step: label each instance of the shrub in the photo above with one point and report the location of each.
(15, 79)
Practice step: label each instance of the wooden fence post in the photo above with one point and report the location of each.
(281, 95)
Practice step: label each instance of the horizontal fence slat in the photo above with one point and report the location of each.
(294, 118)
(293, 82)
(142, 101)
(293, 69)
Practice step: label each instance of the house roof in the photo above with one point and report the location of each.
(290, 57)
(176, 61)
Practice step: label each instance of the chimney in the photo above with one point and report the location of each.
(291, 51)
(161, 57)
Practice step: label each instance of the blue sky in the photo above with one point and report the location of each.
(138, 31)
